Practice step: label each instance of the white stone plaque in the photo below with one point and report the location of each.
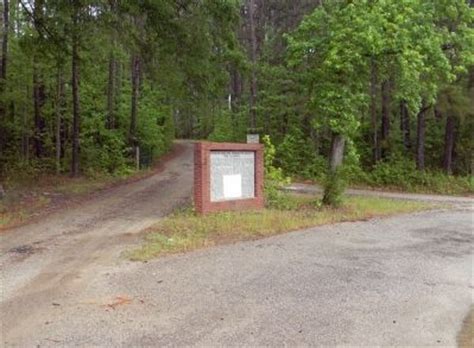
(232, 186)
(232, 175)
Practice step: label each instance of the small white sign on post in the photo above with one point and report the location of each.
(232, 186)
(253, 139)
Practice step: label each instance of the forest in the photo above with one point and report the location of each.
(375, 93)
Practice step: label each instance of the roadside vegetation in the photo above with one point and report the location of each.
(366, 93)
(398, 173)
(186, 231)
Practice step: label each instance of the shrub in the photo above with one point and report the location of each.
(103, 151)
(274, 178)
(223, 128)
(297, 157)
(402, 174)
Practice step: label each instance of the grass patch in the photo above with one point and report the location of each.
(185, 231)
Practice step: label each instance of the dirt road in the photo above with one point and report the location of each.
(44, 262)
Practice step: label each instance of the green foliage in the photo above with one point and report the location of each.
(297, 156)
(314, 72)
(274, 178)
(104, 151)
(227, 128)
(334, 186)
(183, 52)
(344, 48)
(401, 173)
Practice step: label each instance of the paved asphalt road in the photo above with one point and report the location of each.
(405, 280)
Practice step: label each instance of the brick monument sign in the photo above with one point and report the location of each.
(228, 176)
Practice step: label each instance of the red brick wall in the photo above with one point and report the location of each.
(202, 178)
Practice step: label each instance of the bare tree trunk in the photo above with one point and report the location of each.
(58, 111)
(385, 91)
(111, 91)
(76, 122)
(373, 111)
(253, 59)
(405, 125)
(337, 152)
(235, 88)
(134, 102)
(39, 95)
(420, 138)
(334, 186)
(25, 139)
(118, 86)
(3, 70)
(6, 30)
(112, 83)
(38, 102)
(448, 145)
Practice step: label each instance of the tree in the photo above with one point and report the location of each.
(3, 66)
(6, 30)
(361, 85)
(113, 66)
(76, 112)
(344, 46)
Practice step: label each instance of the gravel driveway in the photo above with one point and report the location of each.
(405, 280)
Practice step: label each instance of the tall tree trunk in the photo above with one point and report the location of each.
(420, 138)
(112, 82)
(253, 59)
(134, 102)
(111, 91)
(25, 139)
(3, 71)
(6, 30)
(39, 99)
(448, 145)
(373, 111)
(76, 121)
(385, 133)
(59, 108)
(334, 185)
(405, 125)
(337, 152)
(39, 94)
(235, 88)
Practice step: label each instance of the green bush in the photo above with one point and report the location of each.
(223, 129)
(274, 179)
(334, 186)
(297, 157)
(103, 151)
(402, 174)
